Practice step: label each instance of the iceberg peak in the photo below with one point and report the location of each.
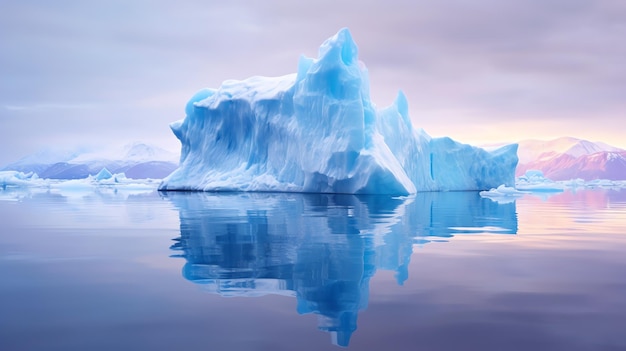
(340, 48)
(317, 131)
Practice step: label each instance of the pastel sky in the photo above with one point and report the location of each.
(480, 71)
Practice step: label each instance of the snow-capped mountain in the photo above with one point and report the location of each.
(137, 160)
(571, 158)
(140, 152)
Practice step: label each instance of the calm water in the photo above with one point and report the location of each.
(106, 270)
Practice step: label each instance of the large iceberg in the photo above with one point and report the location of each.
(318, 131)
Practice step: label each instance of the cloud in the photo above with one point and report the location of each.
(490, 61)
(47, 107)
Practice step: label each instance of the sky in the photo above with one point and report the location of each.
(480, 71)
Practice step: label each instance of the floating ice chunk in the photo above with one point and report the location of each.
(502, 193)
(541, 187)
(534, 180)
(27, 181)
(503, 190)
(103, 174)
(605, 183)
(19, 179)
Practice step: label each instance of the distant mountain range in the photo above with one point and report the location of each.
(571, 158)
(136, 160)
(559, 159)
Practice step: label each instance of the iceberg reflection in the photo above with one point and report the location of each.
(321, 248)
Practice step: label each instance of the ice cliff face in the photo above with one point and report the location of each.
(317, 131)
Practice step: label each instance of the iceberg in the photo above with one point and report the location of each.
(502, 190)
(534, 180)
(502, 194)
(14, 180)
(317, 131)
(103, 174)
(10, 179)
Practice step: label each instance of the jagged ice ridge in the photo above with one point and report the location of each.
(318, 131)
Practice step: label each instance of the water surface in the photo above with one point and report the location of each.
(106, 269)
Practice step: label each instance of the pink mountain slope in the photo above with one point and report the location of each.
(570, 158)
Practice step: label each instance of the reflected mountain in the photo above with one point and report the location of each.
(320, 248)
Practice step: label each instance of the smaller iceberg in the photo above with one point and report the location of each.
(535, 181)
(502, 190)
(9, 179)
(502, 194)
(102, 180)
(103, 174)
(606, 184)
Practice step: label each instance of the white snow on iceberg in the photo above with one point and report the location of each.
(317, 131)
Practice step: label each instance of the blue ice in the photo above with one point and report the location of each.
(318, 131)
